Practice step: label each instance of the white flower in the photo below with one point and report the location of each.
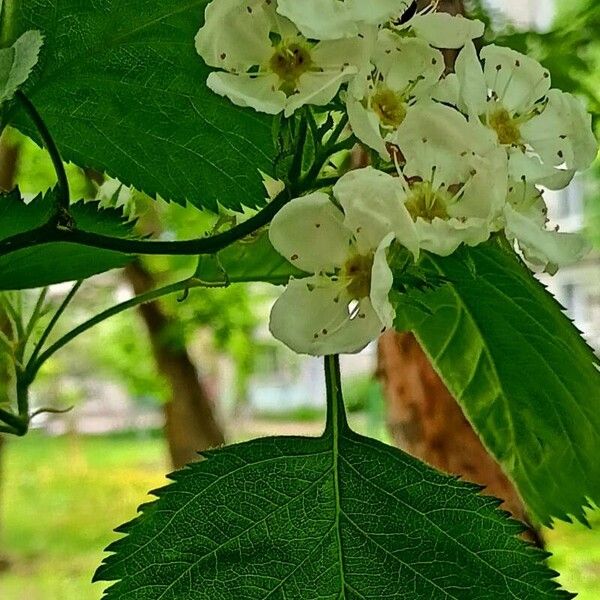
(525, 225)
(454, 178)
(405, 69)
(344, 305)
(442, 30)
(267, 64)
(335, 19)
(547, 133)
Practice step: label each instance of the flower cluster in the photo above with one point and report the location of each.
(461, 154)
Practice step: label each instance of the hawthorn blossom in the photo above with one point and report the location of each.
(546, 133)
(442, 30)
(405, 70)
(454, 179)
(344, 304)
(267, 64)
(336, 19)
(525, 225)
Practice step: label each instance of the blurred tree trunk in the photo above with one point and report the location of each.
(9, 156)
(190, 423)
(426, 421)
(423, 417)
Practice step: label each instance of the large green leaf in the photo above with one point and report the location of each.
(521, 371)
(56, 262)
(123, 91)
(329, 518)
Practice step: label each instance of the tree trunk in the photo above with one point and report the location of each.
(426, 421)
(190, 424)
(423, 417)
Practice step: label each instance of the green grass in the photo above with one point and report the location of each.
(63, 496)
(61, 500)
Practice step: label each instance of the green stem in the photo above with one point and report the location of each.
(35, 315)
(208, 245)
(13, 317)
(16, 424)
(63, 199)
(336, 413)
(296, 169)
(7, 11)
(53, 321)
(35, 365)
(22, 396)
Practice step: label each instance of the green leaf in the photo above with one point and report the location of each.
(329, 518)
(521, 371)
(51, 263)
(123, 91)
(17, 62)
(250, 260)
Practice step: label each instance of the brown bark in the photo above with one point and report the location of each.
(423, 417)
(426, 421)
(190, 423)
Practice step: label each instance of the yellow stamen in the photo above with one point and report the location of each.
(389, 107)
(289, 62)
(506, 128)
(357, 271)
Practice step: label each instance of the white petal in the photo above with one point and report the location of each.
(310, 233)
(447, 90)
(562, 133)
(373, 204)
(404, 61)
(442, 30)
(382, 280)
(319, 19)
(318, 88)
(444, 236)
(337, 54)
(518, 80)
(312, 317)
(485, 191)
(548, 249)
(524, 167)
(376, 12)
(473, 89)
(365, 125)
(258, 92)
(233, 37)
(438, 143)
(335, 19)
(528, 201)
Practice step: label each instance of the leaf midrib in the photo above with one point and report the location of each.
(512, 442)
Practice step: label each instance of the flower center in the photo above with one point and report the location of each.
(427, 203)
(506, 128)
(389, 107)
(357, 271)
(289, 62)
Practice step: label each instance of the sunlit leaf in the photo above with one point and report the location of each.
(521, 371)
(335, 517)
